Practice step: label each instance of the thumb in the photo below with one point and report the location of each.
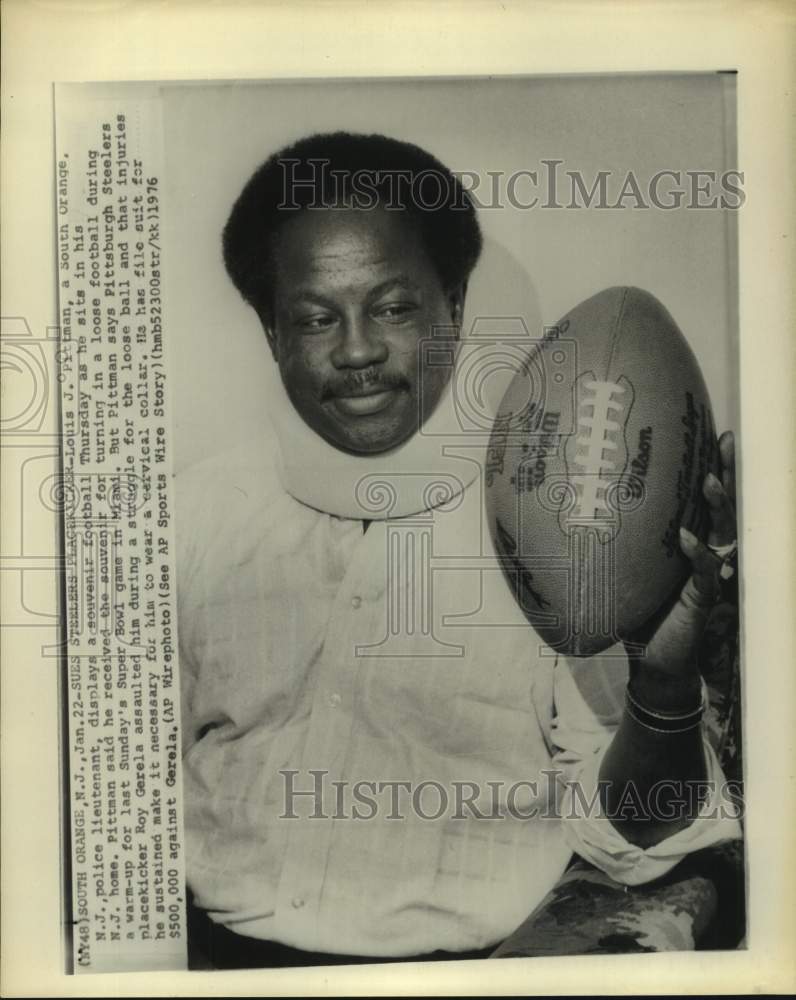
(703, 588)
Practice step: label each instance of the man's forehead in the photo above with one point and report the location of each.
(349, 248)
(326, 228)
(360, 285)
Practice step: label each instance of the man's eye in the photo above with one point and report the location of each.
(317, 322)
(396, 311)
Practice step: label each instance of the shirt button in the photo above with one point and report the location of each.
(334, 700)
(297, 902)
(356, 602)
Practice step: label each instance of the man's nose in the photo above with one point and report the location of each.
(359, 345)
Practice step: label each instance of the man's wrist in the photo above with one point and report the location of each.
(659, 691)
(665, 723)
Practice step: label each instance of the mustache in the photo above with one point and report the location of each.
(355, 381)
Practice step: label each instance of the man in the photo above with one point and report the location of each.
(375, 741)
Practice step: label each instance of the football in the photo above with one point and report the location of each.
(596, 458)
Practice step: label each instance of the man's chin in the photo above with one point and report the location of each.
(376, 439)
(372, 446)
(364, 428)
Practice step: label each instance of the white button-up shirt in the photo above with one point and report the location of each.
(372, 730)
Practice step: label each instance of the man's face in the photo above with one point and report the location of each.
(355, 293)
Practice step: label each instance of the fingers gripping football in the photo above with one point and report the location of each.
(704, 586)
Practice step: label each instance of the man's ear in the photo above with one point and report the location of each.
(270, 335)
(456, 299)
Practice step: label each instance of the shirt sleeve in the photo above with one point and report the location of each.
(588, 700)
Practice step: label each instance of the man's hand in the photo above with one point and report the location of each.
(665, 680)
(671, 647)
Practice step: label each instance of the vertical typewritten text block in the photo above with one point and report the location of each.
(120, 635)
